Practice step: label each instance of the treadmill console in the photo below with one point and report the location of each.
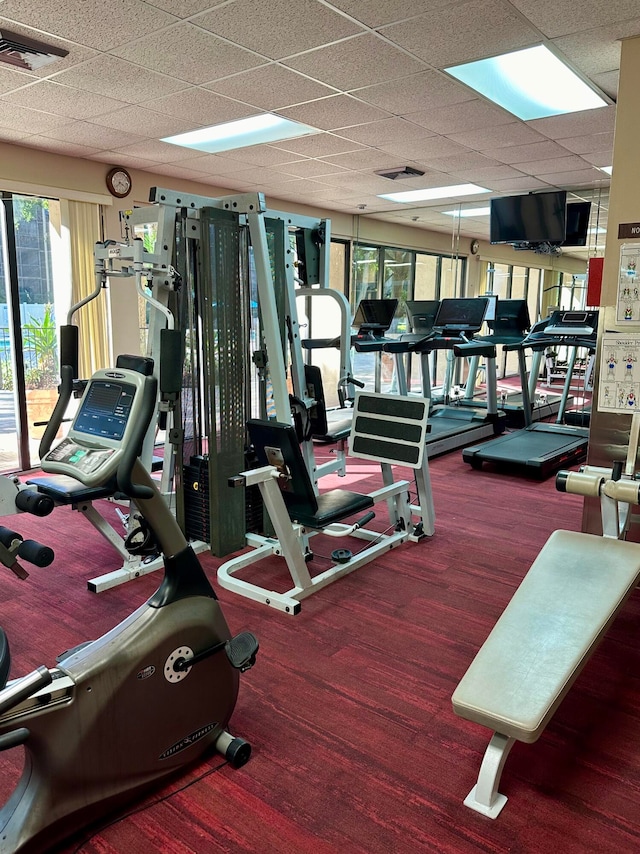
(110, 406)
(576, 324)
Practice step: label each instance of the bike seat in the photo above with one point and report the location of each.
(5, 659)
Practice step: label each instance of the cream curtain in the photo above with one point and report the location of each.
(92, 319)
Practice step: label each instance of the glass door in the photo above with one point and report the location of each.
(33, 297)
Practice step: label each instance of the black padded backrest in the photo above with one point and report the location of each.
(276, 444)
(315, 389)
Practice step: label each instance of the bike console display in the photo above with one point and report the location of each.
(111, 406)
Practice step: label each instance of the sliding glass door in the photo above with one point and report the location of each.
(34, 297)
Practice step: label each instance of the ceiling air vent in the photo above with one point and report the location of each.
(399, 172)
(27, 54)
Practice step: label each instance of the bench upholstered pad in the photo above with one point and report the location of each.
(554, 621)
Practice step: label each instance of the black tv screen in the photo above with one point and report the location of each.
(534, 218)
(577, 224)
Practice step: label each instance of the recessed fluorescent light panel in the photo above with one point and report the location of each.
(254, 130)
(531, 83)
(435, 193)
(469, 212)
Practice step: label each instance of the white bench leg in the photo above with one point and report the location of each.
(484, 797)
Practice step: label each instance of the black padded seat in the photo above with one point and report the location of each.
(336, 432)
(333, 506)
(66, 490)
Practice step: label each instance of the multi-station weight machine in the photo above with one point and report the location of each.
(222, 279)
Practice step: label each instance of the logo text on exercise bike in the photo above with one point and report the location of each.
(187, 741)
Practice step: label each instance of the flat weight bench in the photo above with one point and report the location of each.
(545, 636)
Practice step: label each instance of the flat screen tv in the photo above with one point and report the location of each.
(534, 218)
(577, 223)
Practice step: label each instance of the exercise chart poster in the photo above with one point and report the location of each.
(628, 299)
(619, 388)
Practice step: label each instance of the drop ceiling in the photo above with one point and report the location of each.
(367, 73)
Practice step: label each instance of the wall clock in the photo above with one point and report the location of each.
(475, 246)
(118, 182)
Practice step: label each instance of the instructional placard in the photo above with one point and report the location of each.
(619, 387)
(628, 299)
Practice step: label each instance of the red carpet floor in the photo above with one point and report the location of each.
(355, 746)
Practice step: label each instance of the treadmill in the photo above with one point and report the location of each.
(509, 325)
(452, 426)
(541, 448)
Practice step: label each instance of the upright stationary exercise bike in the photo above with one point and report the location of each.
(151, 695)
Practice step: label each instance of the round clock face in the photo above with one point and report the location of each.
(475, 246)
(119, 182)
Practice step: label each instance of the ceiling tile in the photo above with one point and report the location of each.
(178, 172)
(515, 154)
(387, 130)
(472, 115)
(368, 159)
(463, 32)
(262, 155)
(119, 22)
(277, 28)
(356, 62)
(597, 50)
(205, 106)
(7, 135)
(320, 145)
(119, 79)
(270, 87)
(479, 175)
(599, 158)
(429, 147)
(63, 100)
(546, 167)
(376, 13)
(601, 120)
(309, 168)
(132, 119)
(153, 149)
(421, 91)
(69, 149)
(189, 53)
(589, 143)
(94, 136)
(555, 18)
(608, 82)
(487, 139)
(10, 79)
(121, 158)
(517, 185)
(339, 111)
(575, 178)
(30, 121)
(186, 8)
(453, 164)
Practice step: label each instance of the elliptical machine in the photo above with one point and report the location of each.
(151, 695)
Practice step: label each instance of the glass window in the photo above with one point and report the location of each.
(365, 274)
(427, 280)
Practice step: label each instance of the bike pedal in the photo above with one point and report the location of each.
(242, 650)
